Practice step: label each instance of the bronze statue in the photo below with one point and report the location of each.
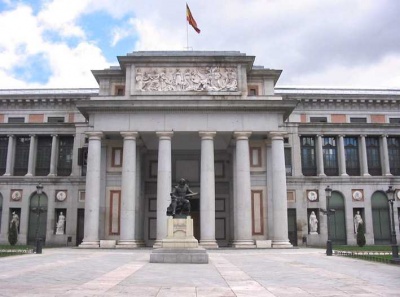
(179, 204)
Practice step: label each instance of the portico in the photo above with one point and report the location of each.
(140, 145)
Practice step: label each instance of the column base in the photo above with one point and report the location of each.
(243, 244)
(51, 175)
(281, 244)
(90, 244)
(157, 244)
(209, 244)
(29, 174)
(344, 174)
(366, 174)
(129, 244)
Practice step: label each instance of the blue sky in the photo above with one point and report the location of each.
(329, 43)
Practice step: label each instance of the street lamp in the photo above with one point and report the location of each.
(395, 249)
(328, 194)
(38, 210)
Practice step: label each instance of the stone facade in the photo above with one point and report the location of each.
(260, 157)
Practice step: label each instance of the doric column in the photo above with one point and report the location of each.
(128, 185)
(242, 203)
(53, 158)
(163, 184)
(32, 156)
(320, 158)
(92, 200)
(342, 156)
(385, 156)
(279, 192)
(207, 191)
(364, 159)
(10, 155)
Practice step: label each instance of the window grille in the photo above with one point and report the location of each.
(373, 156)
(352, 156)
(65, 148)
(43, 157)
(308, 161)
(329, 151)
(21, 155)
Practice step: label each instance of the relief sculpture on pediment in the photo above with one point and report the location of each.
(212, 79)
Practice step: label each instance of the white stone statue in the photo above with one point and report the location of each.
(15, 218)
(313, 223)
(357, 221)
(60, 224)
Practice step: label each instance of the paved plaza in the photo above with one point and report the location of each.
(294, 272)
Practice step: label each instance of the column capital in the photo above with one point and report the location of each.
(54, 135)
(165, 134)
(363, 135)
(131, 135)
(277, 135)
(341, 135)
(10, 135)
(94, 135)
(384, 135)
(207, 134)
(241, 135)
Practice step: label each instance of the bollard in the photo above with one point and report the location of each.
(38, 245)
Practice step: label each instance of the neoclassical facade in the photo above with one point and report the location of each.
(259, 157)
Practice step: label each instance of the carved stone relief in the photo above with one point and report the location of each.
(185, 79)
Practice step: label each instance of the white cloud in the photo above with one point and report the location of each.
(61, 15)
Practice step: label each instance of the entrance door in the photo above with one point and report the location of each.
(37, 218)
(337, 221)
(292, 228)
(80, 224)
(380, 218)
(195, 214)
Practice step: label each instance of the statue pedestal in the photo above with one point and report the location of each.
(179, 246)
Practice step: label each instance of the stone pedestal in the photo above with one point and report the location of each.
(179, 246)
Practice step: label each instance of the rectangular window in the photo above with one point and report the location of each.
(394, 154)
(253, 90)
(3, 154)
(255, 156)
(358, 120)
(21, 155)
(43, 157)
(373, 156)
(257, 212)
(14, 120)
(115, 212)
(65, 147)
(120, 91)
(318, 120)
(329, 152)
(352, 157)
(116, 160)
(55, 119)
(394, 120)
(288, 161)
(308, 158)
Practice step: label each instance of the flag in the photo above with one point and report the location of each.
(191, 20)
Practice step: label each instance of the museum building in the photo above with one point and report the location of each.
(260, 158)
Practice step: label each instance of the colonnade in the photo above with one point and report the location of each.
(11, 149)
(242, 217)
(363, 156)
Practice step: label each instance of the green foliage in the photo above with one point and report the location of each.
(360, 235)
(13, 234)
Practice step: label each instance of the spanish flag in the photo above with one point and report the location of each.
(191, 20)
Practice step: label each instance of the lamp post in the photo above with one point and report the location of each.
(328, 194)
(38, 210)
(395, 249)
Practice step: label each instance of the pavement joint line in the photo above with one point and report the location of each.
(246, 283)
(18, 271)
(110, 279)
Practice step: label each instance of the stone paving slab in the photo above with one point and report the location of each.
(230, 272)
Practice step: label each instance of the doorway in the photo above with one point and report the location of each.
(37, 218)
(292, 228)
(80, 226)
(380, 218)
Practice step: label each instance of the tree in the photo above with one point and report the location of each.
(13, 233)
(360, 235)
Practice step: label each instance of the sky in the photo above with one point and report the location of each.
(317, 43)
